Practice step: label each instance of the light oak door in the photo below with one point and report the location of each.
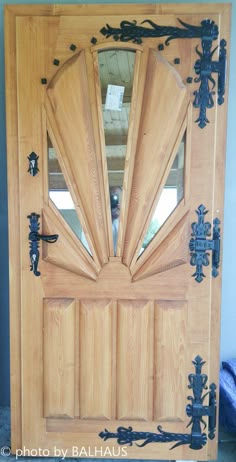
(107, 150)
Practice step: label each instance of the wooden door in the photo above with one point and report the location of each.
(103, 339)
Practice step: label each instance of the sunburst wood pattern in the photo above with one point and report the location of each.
(163, 112)
(72, 114)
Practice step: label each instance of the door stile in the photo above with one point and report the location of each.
(217, 208)
(13, 233)
(29, 139)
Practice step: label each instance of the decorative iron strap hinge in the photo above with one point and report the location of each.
(204, 67)
(200, 244)
(196, 439)
(34, 238)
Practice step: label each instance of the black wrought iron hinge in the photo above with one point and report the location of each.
(199, 244)
(196, 439)
(204, 66)
(34, 238)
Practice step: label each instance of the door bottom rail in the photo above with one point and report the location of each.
(197, 438)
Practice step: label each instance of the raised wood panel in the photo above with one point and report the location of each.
(165, 102)
(170, 372)
(171, 253)
(58, 357)
(135, 360)
(69, 96)
(97, 359)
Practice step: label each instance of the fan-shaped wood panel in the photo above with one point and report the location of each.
(172, 252)
(164, 108)
(68, 252)
(69, 96)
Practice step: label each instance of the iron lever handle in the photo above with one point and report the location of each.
(34, 238)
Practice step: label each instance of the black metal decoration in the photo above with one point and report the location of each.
(196, 439)
(33, 164)
(73, 47)
(34, 238)
(199, 244)
(204, 66)
(131, 31)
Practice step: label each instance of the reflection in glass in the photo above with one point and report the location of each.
(61, 197)
(116, 71)
(171, 195)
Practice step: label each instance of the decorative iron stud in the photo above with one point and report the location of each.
(189, 79)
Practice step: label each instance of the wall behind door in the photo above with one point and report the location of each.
(228, 342)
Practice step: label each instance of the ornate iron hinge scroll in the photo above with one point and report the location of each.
(204, 66)
(199, 244)
(196, 439)
(34, 238)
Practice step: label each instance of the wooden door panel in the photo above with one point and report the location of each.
(98, 350)
(97, 359)
(169, 352)
(135, 360)
(59, 357)
(105, 341)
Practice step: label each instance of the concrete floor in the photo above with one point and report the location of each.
(227, 446)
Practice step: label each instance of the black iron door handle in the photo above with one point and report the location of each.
(34, 238)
